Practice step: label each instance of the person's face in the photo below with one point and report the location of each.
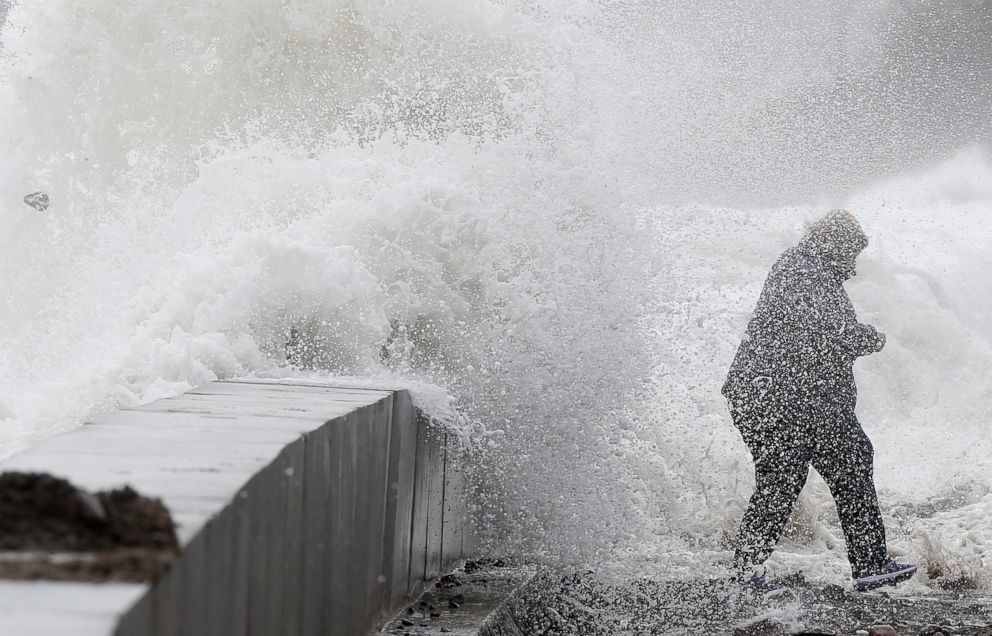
(848, 263)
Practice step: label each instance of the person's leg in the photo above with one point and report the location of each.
(781, 465)
(844, 458)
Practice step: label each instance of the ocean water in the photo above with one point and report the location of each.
(548, 219)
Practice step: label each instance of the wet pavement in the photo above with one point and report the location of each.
(460, 603)
(582, 604)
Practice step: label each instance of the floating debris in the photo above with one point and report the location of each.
(38, 200)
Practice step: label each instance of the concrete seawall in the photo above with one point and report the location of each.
(300, 509)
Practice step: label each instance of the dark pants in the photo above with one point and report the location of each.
(784, 444)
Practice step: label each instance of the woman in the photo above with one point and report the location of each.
(792, 396)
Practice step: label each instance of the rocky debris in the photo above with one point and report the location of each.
(50, 529)
(461, 602)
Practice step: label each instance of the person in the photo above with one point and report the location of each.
(792, 396)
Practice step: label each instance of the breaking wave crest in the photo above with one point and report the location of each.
(373, 189)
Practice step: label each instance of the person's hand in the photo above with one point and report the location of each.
(881, 340)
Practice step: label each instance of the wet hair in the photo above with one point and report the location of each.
(837, 234)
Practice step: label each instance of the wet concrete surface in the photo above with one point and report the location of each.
(582, 604)
(459, 604)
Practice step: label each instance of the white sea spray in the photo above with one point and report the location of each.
(549, 219)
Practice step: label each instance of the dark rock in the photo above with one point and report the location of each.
(45, 513)
(449, 580)
(122, 535)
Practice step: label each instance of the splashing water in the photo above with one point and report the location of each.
(549, 218)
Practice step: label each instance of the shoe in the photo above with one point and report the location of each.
(757, 583)
(889, 574)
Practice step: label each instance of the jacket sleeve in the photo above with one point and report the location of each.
(855, 338)
(860, 339)
(831, 321)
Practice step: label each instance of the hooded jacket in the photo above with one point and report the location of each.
(803, 337)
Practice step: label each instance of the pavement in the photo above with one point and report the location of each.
(584, 604)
